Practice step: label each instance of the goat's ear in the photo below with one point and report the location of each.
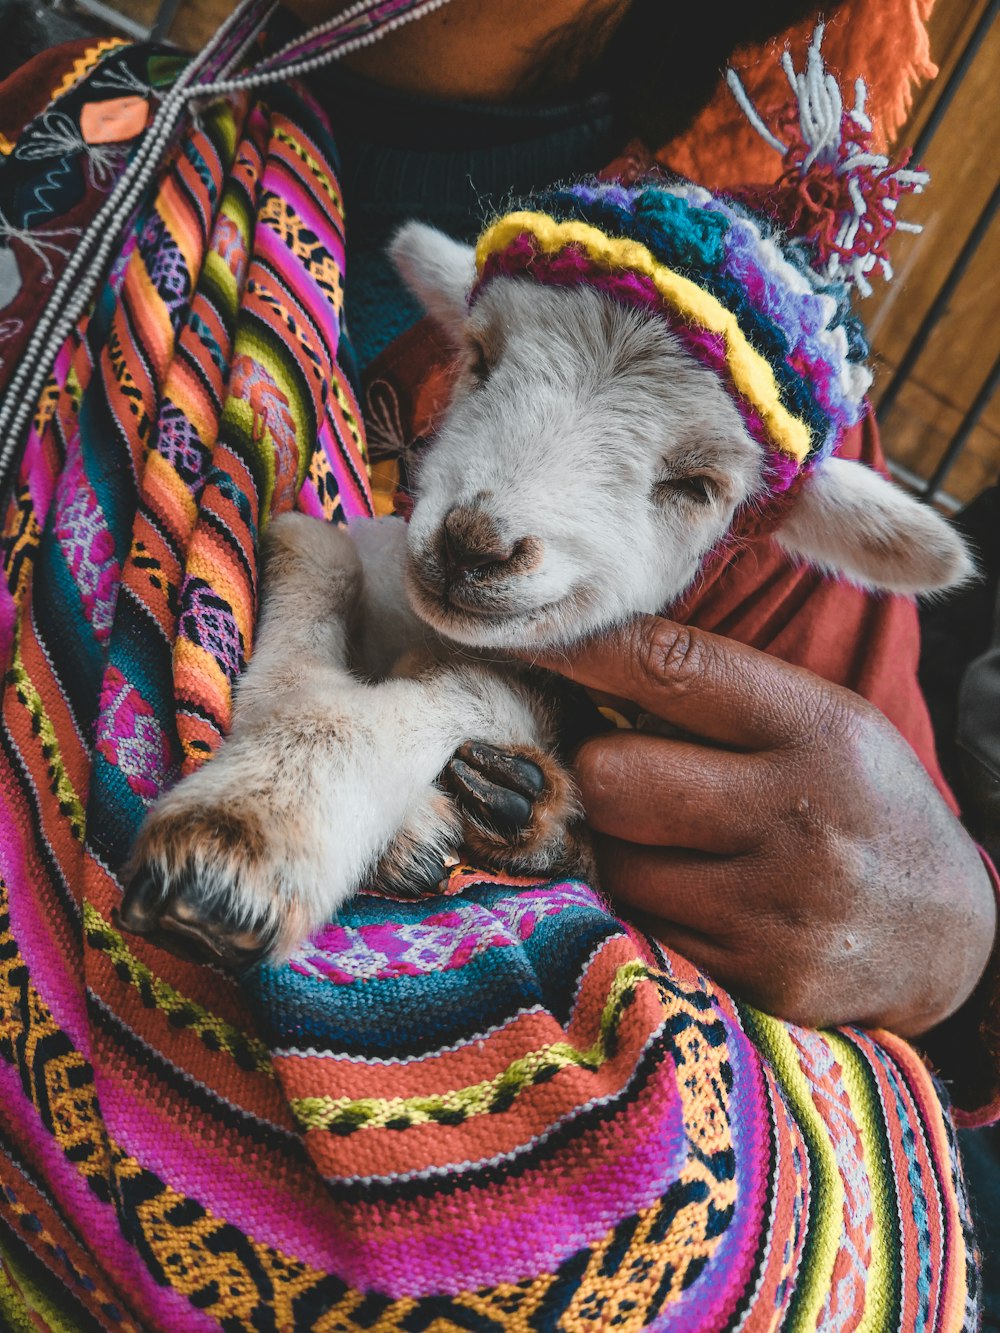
(848, 520)
(438, 271)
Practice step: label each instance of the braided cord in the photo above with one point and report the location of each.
(75, 288)
(340, 44)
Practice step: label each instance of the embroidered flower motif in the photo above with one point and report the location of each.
(251, 383)
(122, 79)
(88, 547)
(38, 242)
(439, 943)
(229, 245)
(178, 442)
(130, 738)
(208, 621)
(55, 134)
(167, 270)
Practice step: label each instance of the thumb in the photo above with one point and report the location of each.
(709, 685)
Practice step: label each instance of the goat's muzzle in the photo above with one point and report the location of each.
(476, 559)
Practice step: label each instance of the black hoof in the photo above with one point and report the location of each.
(410, 872)
(188, 924)
(496, 788)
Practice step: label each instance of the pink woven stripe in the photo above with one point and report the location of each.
(163, 1308)
(299, 295)
(53, 964)
(302, 1227)
(279, 180)
(308, 501)
(508, 1230)
(753, 1148)
(8, 623)
(348, 466)
(312, 306)
(41, 479)
(307, 199)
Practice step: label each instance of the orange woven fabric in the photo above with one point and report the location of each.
(885, 43)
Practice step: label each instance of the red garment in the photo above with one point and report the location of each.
(887, 44)
(867, 642)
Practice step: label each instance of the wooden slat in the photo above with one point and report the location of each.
(950, 26)
(197, 20)
(964, 163)
(918, 433)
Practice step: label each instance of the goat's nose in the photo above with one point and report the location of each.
(472, 542)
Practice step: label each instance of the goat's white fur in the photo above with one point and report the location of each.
(851, 523)
(438, 270)
(595, 435)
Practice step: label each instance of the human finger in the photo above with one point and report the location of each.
(697, 906)
(691, 888)
(661, 792)
(710, 685)
(762, 981)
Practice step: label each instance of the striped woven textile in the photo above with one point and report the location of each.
(496, 1109)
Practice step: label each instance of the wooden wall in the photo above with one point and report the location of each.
(964, 161)
(195, 22)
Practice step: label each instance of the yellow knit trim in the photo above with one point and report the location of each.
(82, 65)
(751, 372)
(476, 1099)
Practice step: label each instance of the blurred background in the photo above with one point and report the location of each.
(935, 328)
(938, 322)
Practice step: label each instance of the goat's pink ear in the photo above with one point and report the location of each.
(438, 271)
(849, 521)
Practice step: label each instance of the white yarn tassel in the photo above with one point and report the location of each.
(827, 132)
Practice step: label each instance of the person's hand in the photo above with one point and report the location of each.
(792, 845)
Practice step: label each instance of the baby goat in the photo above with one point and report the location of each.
(585, 467)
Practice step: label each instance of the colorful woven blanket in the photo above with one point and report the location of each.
(498, 1109)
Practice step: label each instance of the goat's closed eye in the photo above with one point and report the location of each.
(696, 486)
(479, 365)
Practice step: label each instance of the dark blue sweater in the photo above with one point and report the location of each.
(447, 163)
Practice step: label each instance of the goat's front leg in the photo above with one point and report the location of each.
(242, 856)
(520, 810)
(513, 805)
(518, 804)
(326, 782)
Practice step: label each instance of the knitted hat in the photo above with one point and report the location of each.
(757, 287)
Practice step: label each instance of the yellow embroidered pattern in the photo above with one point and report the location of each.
(82, 66)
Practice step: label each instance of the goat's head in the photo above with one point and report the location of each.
(588, 463)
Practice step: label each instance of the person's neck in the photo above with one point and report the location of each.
(481, 50)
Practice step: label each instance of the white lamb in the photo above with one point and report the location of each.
(584, 468)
